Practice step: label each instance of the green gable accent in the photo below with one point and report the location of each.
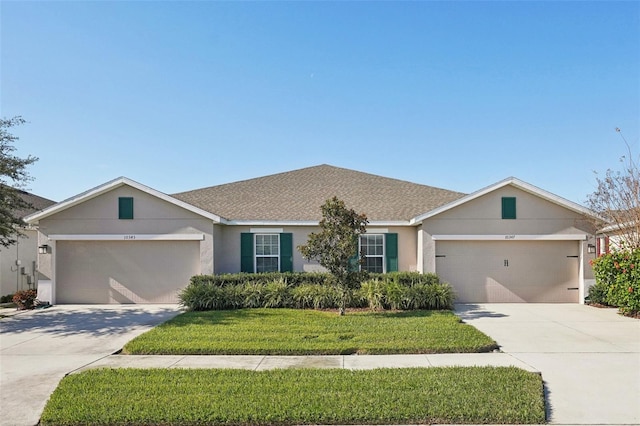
(508, 207)
(391, 252)
(286, 252)
(125, 208)
(246, 252)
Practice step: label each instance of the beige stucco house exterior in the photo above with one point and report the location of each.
(18, 262)
(124, 242)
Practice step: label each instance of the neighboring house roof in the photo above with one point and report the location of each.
(517, 183)
(36, 202)
(94, 192)
(297, 196)
(619, 227)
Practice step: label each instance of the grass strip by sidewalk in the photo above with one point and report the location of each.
(297, 396)
(310, 332)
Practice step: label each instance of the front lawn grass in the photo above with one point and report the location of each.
(310, 332)
(459, 395)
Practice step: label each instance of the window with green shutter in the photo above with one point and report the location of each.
(266, 252)
(125, 208)
(380, 252)
(508, 207)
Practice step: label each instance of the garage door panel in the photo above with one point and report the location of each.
(124, 272)
(510, 271)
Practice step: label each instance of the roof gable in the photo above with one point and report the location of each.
(109, 186)
(512, 181)
(297, 196)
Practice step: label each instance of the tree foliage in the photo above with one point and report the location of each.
(13, 177)
(617, 201)
(336, 245)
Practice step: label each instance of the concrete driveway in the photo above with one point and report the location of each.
(37, 349)
(589, 357)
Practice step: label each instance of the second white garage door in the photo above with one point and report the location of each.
(124, 271)
(510, 271)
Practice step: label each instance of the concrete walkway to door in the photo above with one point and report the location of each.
(589, 357)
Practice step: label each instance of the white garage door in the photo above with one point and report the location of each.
(124, 271)
(510, 271)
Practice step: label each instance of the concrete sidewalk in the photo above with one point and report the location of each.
(351, 362)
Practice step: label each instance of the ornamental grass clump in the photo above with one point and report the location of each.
(395, 291)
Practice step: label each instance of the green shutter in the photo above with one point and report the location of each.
(286, 252)
(246, 252)
(508, 207)
(391, 252)
(125, 208)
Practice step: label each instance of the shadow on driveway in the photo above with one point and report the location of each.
(471, 312)
(100, 320)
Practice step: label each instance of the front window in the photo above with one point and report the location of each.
(372, 246)
(267, 252)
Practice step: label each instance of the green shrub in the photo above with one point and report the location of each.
(234, 296)
(277, 294)
(293, 279)
(373, 292)
(398, 290)
(303, 296)
(598, 294)
(315, 296)
(7, 298)
(443, 296)
(25, 299)
(253, 294)
(394, 294)
(619, 273)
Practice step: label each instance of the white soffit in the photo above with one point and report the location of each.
(126, 237)
(511, 237)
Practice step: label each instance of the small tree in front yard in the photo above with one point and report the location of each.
(336, 245)
(13, 177)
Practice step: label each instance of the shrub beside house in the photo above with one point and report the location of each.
(617, 281)
(399, 290)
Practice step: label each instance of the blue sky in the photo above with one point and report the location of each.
(183, 95)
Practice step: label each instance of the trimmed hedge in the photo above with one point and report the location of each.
(617, 281)
(397, 290)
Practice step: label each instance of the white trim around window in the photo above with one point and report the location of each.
(374, 249)
(266, 256)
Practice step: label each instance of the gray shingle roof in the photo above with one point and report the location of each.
(37, 203)
(298, 195)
